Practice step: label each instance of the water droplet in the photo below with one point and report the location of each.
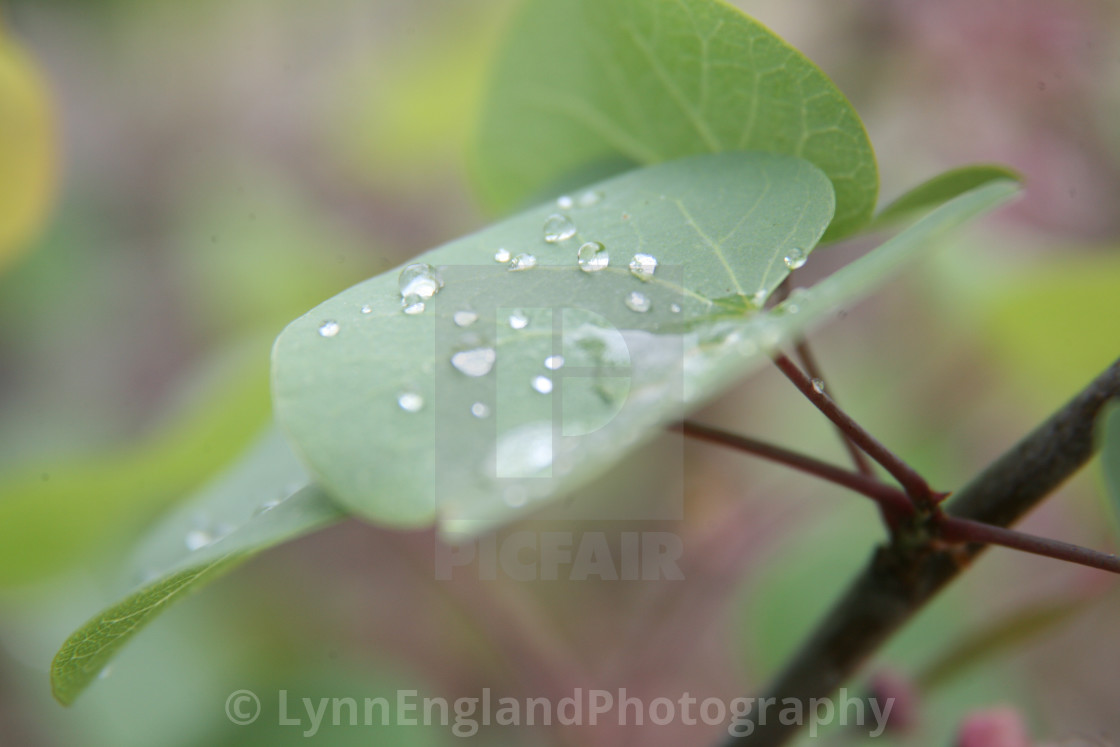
(197, 539)
(675, 308)
(518, 320)
(329, 329)
(636, 301)
(590, 197)
(480, 410)
(410, 401)
(522, 262)
(593, 257)
(412, 304)
(421, 280)
(542, 384)
(565, 202)
(367, 309)
(795, 258)
(502, 255)
(558, 228)
(643, 266)
(474, 362)
(465, 318)
(818, 386)
(759, 298)
(554, 362)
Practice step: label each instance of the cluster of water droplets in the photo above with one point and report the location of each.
(418, 283)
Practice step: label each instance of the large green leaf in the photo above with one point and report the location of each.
(376, 406)
(263, 501)
(582, 84)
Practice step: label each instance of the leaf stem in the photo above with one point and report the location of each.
(914, 484)
(892, 501)
(809, 363)
(956, 529)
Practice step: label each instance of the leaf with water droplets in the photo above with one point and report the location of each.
(596, 86)
(719, 227)
(263, 501)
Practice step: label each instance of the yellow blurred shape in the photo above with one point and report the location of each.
(27, 151)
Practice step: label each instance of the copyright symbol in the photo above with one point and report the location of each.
(243, 707)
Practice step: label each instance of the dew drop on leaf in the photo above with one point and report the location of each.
(518, 320)
(565, 202)
(410, 402)
(412, 305)
(675, 308)
(329, 329)
(542, 384)
(796, 258)
(590, 197)
(522, 262)
(367, 309)
(475, 362)
(465, 318)
(558, 228)
(554, 362)
(593, 257)
(636, 301)
(502, 255)
(480, 410)
(643, 266)
(420, 279)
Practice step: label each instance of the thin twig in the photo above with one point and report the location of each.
(893, 501)
(956, 529)
(914, 484)
(809, 363)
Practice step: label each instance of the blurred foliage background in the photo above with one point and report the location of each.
(178, 180)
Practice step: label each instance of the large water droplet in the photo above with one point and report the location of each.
(643, 266)
(639, 302)
(565, 202)
(590, 197)
(518, 320)
(542, 384)
(558, 228)
(329, 329)
(421, 280)
(502, 255)
(522, 262)
(554, 362)
(475, 362)
(593, 257)
(410, 402)
(480, 410)
(412, 304)
(465, 318)
(795, 258)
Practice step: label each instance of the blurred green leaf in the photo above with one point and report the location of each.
(720, 227)
(582, 82)
(261, 502)
(52, 516)
(27, 150)
(1110, 454)
(941, 188)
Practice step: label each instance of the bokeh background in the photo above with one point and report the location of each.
(218, 168)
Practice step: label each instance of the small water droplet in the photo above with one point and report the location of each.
(420, 279)
(554, 362)
(475, 362)
(643, 266)
(367, 309)
(502, 255)
(197, 539)
(796, 258)
(412, 305)
(638, 302)
(558, 228)
(818, 386)
(480, 410)
(518, 320)
(410, 402)
(593, 257)
(542, 384)
(565, 202)
(590, 197)
(329, 329)
(675, 308)
(522, 262)
(759, 298)
(465, 318)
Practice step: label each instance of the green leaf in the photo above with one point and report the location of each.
(1110, 453)
(940, 189)
(263, 501)
(584, 84)
(53, 515)
(720, 227)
